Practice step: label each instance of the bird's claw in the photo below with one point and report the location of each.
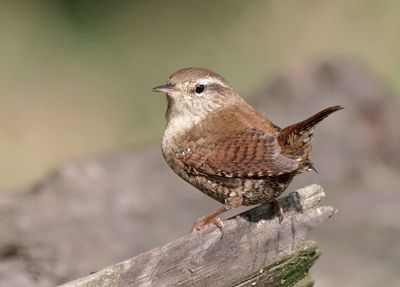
(278, 209)
(202, 222)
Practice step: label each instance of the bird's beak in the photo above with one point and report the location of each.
(167, 88)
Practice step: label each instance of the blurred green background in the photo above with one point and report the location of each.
(75, 76)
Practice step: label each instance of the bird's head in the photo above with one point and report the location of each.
(195, 92)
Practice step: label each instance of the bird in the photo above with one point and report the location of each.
(221, 145)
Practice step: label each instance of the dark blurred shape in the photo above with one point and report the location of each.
(96, 212)
(371, 108)
(88, 14)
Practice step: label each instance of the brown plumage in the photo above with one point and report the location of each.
(224, 147)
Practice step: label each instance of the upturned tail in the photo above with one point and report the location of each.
(296, 139)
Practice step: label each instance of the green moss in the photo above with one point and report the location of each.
(288, 271)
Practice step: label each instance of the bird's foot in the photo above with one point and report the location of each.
(203, 221)
(213, 217)
(278, 209)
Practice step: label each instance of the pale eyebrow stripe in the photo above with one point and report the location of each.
(209, 80)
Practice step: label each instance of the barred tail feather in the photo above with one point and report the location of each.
(296, 139)
(303, 126)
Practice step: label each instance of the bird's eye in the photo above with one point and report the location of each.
(200, 88)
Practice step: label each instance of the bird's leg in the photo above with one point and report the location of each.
(213, 217)
(278, 209)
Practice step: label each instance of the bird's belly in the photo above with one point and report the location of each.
(258, 191)
(253, 191)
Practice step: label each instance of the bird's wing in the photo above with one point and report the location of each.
(249, 154)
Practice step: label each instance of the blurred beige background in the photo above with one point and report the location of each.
(81, 168)
(75, 76)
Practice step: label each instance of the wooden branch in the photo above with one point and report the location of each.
(256, 250)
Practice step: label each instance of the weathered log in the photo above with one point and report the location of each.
(256, 250)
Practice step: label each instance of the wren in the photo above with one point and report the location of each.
(221, 145)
